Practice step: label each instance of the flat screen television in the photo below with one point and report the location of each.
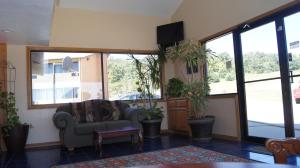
(170, 34)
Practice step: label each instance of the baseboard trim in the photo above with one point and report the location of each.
(165, 131)
(226, 137)
(43, 145)
(217, 136)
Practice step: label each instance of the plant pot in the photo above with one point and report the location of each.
(16, 139)
(151, 128)
(202, 128)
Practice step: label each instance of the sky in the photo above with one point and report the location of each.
(261, 39)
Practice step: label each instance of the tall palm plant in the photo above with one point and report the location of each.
(148, 72)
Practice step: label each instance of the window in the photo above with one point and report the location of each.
(55, 80)
(122, 77)
(221, 67)
(61, 77)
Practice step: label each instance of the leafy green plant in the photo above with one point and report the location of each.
(154, 113)
(148, 81)
(174, 87)
(195, 90)
(8, 105)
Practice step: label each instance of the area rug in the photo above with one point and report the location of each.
(186, 154)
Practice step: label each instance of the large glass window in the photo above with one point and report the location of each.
(63, 77)
(122, 77)
(221, 67)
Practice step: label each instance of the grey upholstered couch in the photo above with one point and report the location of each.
(77, 121)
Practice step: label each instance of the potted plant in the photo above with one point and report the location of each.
(14, 132)
(148, 72)
(195, 90)
(174, 87)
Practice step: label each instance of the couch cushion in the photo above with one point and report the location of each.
(102, 110)
(78, 112)
(88, 128)
(116, 111)
(88, 109)
(122, 106)
(111, 125)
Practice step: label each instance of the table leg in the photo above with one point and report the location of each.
(132, 138)
(98, 143)
(140, 140)
(100, 139)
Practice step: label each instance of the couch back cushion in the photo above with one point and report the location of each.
(102, 110)
(95, 110)
(121, 106)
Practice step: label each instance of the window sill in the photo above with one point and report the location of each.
(227, 95)
(54, 106)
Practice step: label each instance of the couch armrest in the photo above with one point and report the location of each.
(62, 120)
(135, 115)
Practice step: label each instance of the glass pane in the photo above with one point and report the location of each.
(221, 69)
(260, 53)
(122, 77)
(295, 87)
(61, 77)
(292, 27)
(265, 109)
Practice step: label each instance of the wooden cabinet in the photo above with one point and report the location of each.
(177, 114)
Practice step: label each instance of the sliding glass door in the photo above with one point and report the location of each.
(269, 76)
(263, 89)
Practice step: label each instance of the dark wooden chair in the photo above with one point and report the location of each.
(281, 149)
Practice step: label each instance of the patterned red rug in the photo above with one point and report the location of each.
(186, 154)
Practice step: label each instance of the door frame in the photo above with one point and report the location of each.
(278, 18)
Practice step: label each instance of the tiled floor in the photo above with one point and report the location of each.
(54, 156)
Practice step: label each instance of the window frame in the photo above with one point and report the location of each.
(203, 42)
(30, 49)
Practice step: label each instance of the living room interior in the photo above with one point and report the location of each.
(137, 83)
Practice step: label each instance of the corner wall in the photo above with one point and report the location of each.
(43, 130)
(207, 17)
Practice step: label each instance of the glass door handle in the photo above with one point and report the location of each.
(291, 77)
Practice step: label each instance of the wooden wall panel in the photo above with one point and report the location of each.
(3, 61)
(3, 76)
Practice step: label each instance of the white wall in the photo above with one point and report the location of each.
(207, 17)
(227, 117)
(43, 129)
(82, 28)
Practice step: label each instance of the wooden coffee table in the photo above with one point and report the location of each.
(100, 135)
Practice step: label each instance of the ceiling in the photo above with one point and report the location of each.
(160, 8)
(28, 21)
